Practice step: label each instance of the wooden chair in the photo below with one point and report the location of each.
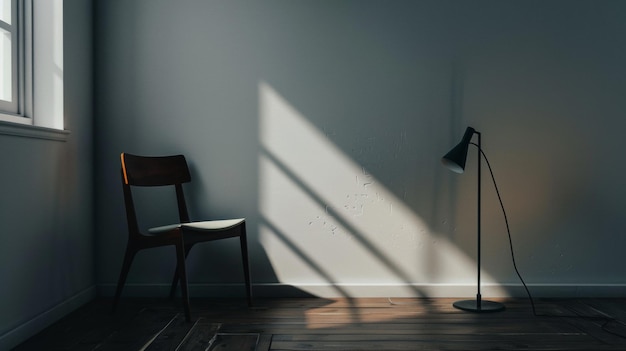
(163, 171)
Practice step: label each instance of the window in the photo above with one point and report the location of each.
(8, 56)
(31, 66)
(15, 36)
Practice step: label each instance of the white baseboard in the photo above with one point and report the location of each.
(26, 330)
(376, 290)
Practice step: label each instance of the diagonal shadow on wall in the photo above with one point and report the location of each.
(322, 213)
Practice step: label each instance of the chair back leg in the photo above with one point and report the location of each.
(176, 277)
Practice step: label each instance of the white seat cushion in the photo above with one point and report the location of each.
(201, 226)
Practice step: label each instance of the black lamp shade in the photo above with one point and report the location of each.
(454, 160)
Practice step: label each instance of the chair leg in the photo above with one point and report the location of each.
(182, 273)
(175, 280)
(246, 266)
(174, 283)
(128, 260)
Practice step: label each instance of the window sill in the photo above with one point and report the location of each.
(30, 131)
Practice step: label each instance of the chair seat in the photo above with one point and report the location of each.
(199, 226)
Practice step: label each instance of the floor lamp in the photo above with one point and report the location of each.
(455, 161)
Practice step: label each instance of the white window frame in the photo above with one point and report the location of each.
(13, 28)
(40, 110)
(19, 110)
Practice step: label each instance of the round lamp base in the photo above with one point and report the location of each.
(477, 306)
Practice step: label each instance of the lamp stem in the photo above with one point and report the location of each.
(479, 305)
(478, 296)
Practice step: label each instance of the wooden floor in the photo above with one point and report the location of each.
(338, 324)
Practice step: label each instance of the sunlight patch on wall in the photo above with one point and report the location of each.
(326, 221)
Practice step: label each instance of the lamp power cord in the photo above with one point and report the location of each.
(607, 320)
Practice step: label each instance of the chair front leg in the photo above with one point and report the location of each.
(182, 273)
(243, 240)
(129, 256)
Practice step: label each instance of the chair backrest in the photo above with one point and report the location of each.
(153, 171)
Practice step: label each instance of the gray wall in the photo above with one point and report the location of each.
(47, 251)
(322, 122)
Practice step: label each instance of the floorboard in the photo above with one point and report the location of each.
(337, 324)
